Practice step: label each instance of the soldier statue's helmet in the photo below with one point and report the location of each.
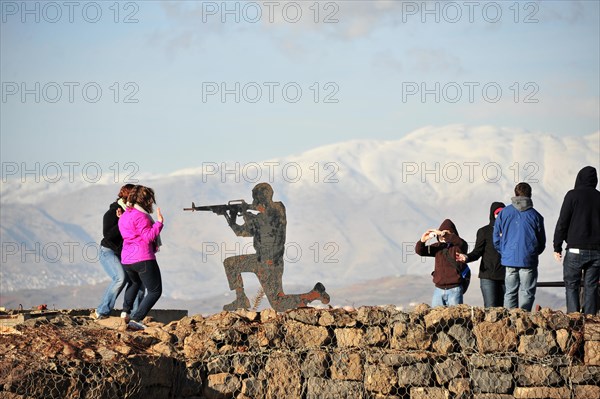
(262, 193)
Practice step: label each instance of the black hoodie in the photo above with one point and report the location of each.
(110, 228)
(579, 220)
(490, 267)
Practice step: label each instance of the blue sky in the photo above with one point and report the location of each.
(184, 83)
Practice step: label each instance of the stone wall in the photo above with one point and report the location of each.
(371, 352)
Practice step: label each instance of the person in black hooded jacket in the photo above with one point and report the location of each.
(579, 225)
(491, 271)
(449, 288)
(110, 256)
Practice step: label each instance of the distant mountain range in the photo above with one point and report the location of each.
(354, 210)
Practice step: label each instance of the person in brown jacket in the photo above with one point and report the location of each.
(449, 276)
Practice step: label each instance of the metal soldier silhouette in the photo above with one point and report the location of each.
(268, 229)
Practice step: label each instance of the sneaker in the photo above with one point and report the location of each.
(98, 316)
(135, 325)
(125, 316)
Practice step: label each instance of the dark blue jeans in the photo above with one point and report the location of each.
(113, 267)
(573, 267)
(493, 292)
(148, 274)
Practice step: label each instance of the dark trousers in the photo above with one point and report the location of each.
(144, 273)
(493, 292)
(573, 267)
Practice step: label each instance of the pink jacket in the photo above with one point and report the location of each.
(139, 236)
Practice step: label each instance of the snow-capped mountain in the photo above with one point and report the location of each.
(354, 209)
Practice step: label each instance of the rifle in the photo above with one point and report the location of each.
(231, 210)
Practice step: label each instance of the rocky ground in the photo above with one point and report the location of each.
(370, 352)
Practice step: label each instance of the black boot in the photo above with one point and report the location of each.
(241, 302)
(324, 296)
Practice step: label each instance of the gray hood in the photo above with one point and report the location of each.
(522, 203)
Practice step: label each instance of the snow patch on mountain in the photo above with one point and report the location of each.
(354, 209)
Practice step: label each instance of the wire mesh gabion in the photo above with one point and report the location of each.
(59, 379)
(370, 352)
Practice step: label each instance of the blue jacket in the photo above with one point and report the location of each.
(519, 234)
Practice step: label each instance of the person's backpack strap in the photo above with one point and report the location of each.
(462, 269)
